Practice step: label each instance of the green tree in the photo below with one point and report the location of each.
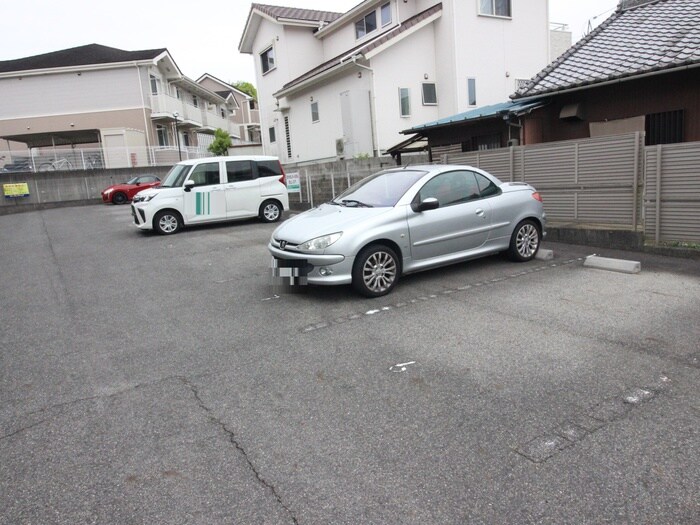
(222, 142)
(247, 88)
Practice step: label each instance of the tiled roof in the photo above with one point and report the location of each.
(366, 47)
(293, 13)
(638, 38)
(77, 56)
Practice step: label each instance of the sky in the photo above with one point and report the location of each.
(198, 40)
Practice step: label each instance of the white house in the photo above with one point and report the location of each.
(345, 84)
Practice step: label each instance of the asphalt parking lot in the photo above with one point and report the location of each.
(163, 380)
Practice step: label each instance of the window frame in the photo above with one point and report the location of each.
(315, 113)
(408, 102)
(272, 134)
(363, 20)
(492, 10)
(425, 103)
(381, 14)
(471, 91)
(265, 56)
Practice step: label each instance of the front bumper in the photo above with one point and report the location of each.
(141, 219)
(318, 269)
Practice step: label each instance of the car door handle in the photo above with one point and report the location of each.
(480, 212)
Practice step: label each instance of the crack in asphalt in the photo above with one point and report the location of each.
(234, 441)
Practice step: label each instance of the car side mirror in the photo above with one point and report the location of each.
(430, 203)
(189, 184)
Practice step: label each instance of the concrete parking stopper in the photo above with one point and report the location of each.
(544, 255)
(615, 265)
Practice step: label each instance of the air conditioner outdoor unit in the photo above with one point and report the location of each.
(513, 142)
(339, 147)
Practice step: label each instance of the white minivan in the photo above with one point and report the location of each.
(213, 189)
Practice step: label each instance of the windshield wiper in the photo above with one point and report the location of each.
(334, 203)
(359, 204)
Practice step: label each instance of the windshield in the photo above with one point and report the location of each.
(176, 176)
(382, 189)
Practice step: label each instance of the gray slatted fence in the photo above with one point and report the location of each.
(672, 193)
(593, 181)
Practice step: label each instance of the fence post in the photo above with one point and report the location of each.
(657, 230)
(333, 183)
(635, 189)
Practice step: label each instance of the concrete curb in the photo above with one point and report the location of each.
(615, 265)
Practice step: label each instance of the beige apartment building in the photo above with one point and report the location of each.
(97, 106)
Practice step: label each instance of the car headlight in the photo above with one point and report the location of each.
(143, 198)
(320, 243)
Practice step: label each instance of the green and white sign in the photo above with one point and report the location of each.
(293, 182)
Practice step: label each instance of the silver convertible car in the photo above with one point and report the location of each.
(405, 220)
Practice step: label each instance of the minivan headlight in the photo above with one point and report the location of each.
(320, 243)
(143, 198)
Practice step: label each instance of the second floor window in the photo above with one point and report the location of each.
(405, 102)
(495, 7)
(471, 91)
(429, 94)
(273, 136)
(267, 60)
(366, 25)
(155, 85)
(314, 112)
(386, 14)
(195, 101)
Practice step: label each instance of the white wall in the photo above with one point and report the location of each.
(392, 70)
(496, 50)
(65, 93)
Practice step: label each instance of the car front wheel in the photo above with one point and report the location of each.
(525, 241)
(119, 198)
(167, 222)
(376, 271)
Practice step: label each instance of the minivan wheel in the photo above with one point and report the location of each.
(376, 271)
(167, 222)
(270, 211)
(524, 242)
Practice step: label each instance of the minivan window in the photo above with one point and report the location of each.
(205, 174)
(239, 170)
(269, 168)
(176, 176)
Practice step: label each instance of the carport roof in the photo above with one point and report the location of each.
(504, 110)
(642, 37)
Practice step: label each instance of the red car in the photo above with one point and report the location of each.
(122, 193)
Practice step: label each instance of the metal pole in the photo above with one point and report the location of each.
(177, 137)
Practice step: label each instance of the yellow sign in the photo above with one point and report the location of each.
(18, 189)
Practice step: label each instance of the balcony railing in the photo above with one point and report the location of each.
(69, 159)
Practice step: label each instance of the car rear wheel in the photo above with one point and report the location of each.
(167, 222)
(119, 198)
(376, 271)
(270, 211)
(525, 241)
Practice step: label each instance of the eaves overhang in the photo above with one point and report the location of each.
(319, 78)
(503, 111)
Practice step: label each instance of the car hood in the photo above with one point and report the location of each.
(117, 187)
(325, 219)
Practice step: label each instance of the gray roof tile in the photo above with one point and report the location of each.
(640, 37)
(88, 55)
(292, 13)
